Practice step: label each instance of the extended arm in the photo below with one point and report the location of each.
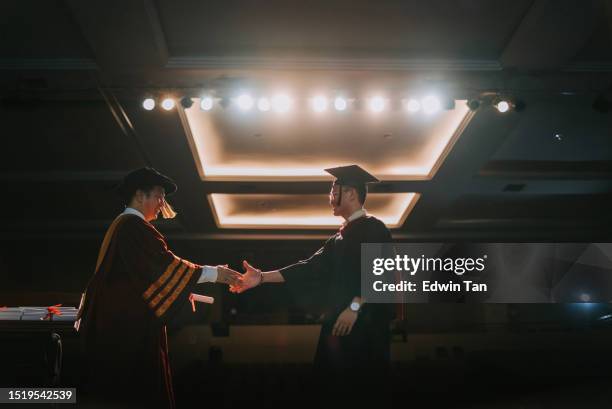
(312, 270)
(254, 277)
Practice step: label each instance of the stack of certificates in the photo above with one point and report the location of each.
(33, 313)
(10, 314)
(68, 314)
(37, 314)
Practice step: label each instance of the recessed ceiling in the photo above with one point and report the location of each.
(231, 145)
(66, 66)
(359, 27)
(308, 211)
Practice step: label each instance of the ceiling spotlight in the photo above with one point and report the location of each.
(148, 104)
(168, 104)
(206, 103)
(281, 103)
(502, 106)
(377, 104)
(473, 104)
(186, 102)
(245, 102)
(340, 104)
(411, 105)
(319, 103)
(431, 104)
(263, 104)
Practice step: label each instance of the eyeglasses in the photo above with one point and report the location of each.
(333, 195)
(161, 197)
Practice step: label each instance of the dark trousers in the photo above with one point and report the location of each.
(354, 369)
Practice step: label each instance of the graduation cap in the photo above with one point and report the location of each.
(353, 176)
(146, 178)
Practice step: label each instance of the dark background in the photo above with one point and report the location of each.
(72, 78)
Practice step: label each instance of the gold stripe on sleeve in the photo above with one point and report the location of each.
(162, 279)
(168, 287)
(162, 309)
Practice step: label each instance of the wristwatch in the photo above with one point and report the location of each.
(355, 306)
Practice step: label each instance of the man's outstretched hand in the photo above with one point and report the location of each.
(251, 278)
(226, 275)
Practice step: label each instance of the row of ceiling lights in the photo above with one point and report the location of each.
(283, 103)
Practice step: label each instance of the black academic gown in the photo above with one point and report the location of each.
(138, 286)
(336, 269)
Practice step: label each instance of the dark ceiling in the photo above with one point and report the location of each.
(72, 75)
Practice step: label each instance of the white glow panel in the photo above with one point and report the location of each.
(304, 211)
(235, 145)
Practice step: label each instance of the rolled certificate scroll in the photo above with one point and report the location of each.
(193, 298)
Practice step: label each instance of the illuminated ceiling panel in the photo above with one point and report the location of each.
(232, 145)
(301, 211)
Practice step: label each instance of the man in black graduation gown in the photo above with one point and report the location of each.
(138, 286)
(354, 335)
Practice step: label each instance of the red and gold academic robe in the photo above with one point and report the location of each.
(139, 285)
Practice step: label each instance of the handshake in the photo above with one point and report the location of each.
(237, 282)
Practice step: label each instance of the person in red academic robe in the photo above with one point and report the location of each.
(138, 286)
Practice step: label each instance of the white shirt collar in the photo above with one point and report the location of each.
(356, 215)
(131, 210)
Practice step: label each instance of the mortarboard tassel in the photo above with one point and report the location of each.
(167, 211)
